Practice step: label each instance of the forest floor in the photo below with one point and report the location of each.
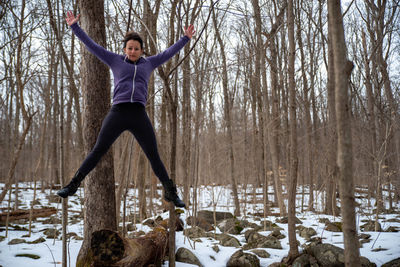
(41, 249)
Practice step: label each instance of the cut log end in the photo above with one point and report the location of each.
(107, 246)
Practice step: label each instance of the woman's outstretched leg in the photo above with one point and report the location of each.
(144, 134)
(113, 125)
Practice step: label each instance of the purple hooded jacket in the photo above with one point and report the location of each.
(130, 78)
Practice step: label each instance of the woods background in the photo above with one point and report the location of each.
(228, 103)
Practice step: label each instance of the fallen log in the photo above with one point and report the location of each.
(109, 248)
(24, 214)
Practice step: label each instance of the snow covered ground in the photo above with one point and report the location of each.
(50, 251)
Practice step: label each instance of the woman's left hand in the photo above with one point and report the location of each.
(190, 31)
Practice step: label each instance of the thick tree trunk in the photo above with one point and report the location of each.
(343, 68)
(273, 133)
(100, 210)
(330, 199)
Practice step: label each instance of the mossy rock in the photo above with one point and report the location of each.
(19, 228)
(286, 220)
(37, 241)
(370, 227)
(51, 233)
(17, 241)
(334, 227)
(52, 220)
(392, 229)
(27, 255)
(324, 220)
(215, 248)
(261, 253)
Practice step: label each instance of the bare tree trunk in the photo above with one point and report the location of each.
(141, 185)
(274, 123)
(100, 205)
(293, 250)
(227, 116)
(27, 117)
(343, 68)
(330, 202)
(260, 106)
(307, 115)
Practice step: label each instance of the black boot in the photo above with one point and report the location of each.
(72, 187)
(170, 194)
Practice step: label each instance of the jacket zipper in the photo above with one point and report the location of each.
(133, 82)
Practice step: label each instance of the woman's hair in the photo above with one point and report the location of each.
(133, 36)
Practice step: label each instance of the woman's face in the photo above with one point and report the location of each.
(133, 50)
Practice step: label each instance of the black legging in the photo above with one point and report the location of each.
(131, 117)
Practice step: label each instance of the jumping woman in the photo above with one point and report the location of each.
(131, 75)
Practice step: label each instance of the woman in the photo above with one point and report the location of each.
(131, 75)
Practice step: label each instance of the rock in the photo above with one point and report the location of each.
(2, 238)
(242, 259)
(185, 255)
(37, 241)
(208, 216)
(324, 220)
(270, 226)
(286, 219)
(200, 222)
(370, 227)
(328, 255)
(306, 232)
(277, 234)
(261, 253)
(52, 220)
(305, 260)
(333, 227)
(194, 232)
(364, 236)
(215, 248)
(228, 241)
(51, 233)
(17, 241)
(392, 263)
(392, 229)
(37, 202)
(232, 226)
(395, 220)
(257, 240)
(27, 255)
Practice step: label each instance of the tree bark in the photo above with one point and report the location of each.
(227, 116)
(293, 250)
(111, 249)
(99, 185)
(343, 68)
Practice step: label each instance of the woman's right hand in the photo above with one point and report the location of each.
(70, 18)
